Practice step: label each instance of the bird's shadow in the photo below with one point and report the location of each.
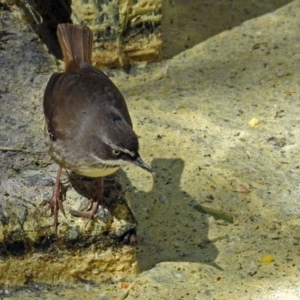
(169, 227)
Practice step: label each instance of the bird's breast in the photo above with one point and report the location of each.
(96, 172)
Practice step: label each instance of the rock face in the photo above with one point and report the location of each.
(124, 31)
(29, 250)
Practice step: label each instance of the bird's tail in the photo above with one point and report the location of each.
(76, 43)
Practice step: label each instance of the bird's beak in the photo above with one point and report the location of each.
(139, 162)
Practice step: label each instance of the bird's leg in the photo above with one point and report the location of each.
(56, 203)
(98, 201)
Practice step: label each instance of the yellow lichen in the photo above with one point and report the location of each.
(267, 259)
(253, 122)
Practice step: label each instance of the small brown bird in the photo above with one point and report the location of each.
(88, 129)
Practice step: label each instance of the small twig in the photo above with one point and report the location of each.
(14, 149)
(124, 295)
(225, 216)
(17, 149)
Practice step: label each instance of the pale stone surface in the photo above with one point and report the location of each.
(188, 23)
(196, 112)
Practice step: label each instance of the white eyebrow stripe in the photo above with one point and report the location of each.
(131, 153)
(114, 147)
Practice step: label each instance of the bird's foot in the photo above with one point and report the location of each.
(96, 207)
(95, 210)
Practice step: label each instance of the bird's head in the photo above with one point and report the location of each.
(117, 144)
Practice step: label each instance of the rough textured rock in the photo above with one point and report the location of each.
(94, 251)
(124, 31)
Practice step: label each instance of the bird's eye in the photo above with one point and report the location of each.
(116, 152)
